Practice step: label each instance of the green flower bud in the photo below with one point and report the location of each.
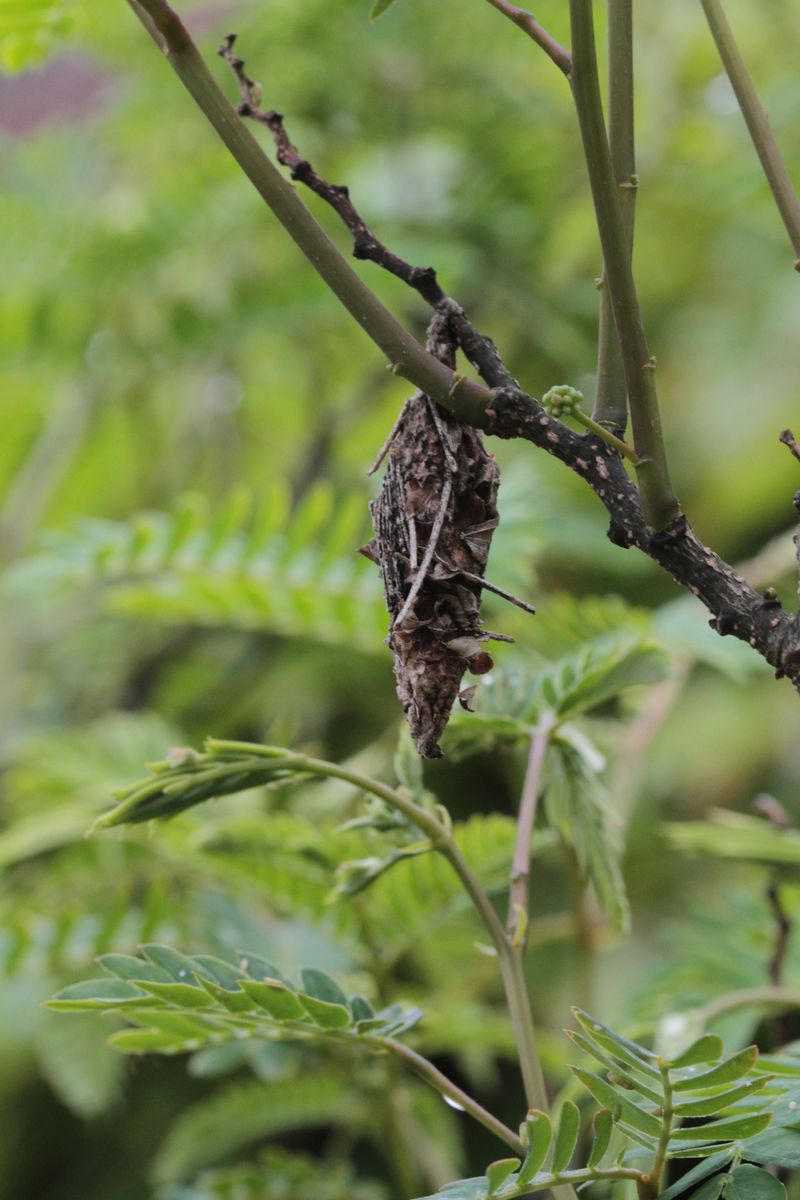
(562, 400)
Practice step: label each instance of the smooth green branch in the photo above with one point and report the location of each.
(611, 397)
(659, 502)
(756, 997)
(757, 122)
(519, 892)
(432, 1075)
(403, 351)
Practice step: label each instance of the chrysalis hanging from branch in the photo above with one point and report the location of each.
(433, 520)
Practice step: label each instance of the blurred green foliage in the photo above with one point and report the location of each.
(188, 419)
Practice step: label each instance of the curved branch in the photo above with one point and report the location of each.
(432, 1075)
(526, 21)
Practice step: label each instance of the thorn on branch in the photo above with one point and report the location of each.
(788, 439)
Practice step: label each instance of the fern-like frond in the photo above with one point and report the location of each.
(178, 1003)
(244, 1114)
(247, 566)
(277, 1175)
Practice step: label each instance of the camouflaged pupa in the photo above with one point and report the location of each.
(433, 520)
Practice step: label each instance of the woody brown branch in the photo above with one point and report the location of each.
(737, 609)
(788, 439)
(479, 349)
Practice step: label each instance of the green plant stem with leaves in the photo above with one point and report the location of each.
(660, 504)
(230, 761)
(518, 896)
(611, 397)
(757, 122)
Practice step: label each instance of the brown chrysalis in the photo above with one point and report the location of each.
(433, 520)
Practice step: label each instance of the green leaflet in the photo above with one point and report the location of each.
(732, 1068)
(603, 1126)
(708, 1167)
(379, 7)
(710, 1190)
(719, 1101)
(706, 1049)
(498, 1173)
(620, 1047)
(751, 1183)
(726, 1130)
(566, 1137)
(536, 1132)
(624, 1109)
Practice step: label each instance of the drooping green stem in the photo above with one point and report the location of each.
(403, 351)
(757, 122)
(519, 892)
(658, 497)
(611, 439)
(611, 397)
(432, 1075)
(756, 997)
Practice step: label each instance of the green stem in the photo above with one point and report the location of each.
(757, 122)
(766, 997)
(611, 397)
(659, 502)
(432, 1075)
(619, 444)
(666, 1129)
(519, 892)
(526, 21)
(403, 351)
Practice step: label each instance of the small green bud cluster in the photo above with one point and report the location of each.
(562, 401)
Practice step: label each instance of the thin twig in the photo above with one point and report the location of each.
(757, 123)
(526, 21)
(432, 1075)
(498, 591)
(518, 896)
(788, 439)
(479, 349)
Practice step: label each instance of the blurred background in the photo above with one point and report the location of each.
(188, 418)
